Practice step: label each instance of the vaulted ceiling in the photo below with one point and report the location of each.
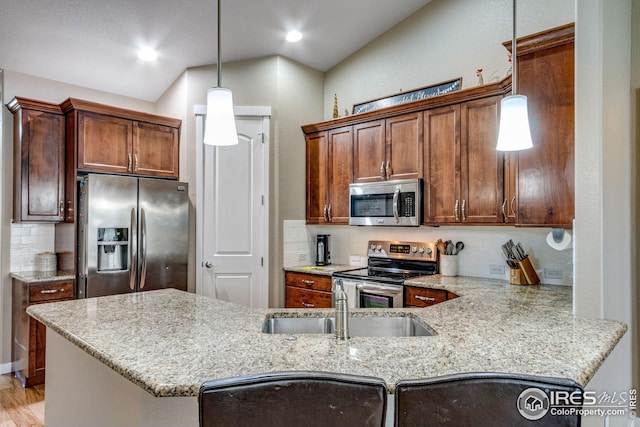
(94, 43)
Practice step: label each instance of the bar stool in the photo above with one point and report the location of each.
(484, 399)
(295, 398)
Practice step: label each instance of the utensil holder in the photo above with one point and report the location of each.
(516, 277)
(449, 265)
(529, 271)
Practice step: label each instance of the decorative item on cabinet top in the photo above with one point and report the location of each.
(413, 95)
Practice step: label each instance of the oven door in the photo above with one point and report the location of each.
(378, 295)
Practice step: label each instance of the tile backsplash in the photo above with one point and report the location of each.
(28, 240)
(481, 257)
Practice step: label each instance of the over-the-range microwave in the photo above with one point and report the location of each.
(386, 203)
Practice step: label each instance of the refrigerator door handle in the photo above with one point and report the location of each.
(143, 247)
(133, 251)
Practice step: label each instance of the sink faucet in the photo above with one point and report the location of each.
(342, 311)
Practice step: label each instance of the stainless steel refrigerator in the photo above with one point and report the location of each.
(133, 234)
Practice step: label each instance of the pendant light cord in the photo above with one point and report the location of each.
(219, 66)
(514, 79)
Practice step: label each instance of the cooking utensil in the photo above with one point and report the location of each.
(459, 247)
(449, 247)
(441, 246)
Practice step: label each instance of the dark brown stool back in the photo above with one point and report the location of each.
(480, 399)
(297, 398)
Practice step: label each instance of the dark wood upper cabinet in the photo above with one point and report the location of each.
(115, 140)
(388, 149)
(369, 151)
(442, 165)
(105, 143)
(39, 161)
(481, 165)
(450, 142)
(545, 173)
(329, 173)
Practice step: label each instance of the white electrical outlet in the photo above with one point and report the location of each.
(553, 273)
(496, 269)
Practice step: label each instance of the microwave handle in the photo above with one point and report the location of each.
(396, 195)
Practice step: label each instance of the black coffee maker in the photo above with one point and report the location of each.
(323, 254)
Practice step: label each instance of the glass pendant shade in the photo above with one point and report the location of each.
(220, 124)
(514, 133)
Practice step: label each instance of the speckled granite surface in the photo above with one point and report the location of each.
(35, 277)
(326, 270)
(169, 342)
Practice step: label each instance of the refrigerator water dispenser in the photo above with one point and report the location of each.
(113, 248)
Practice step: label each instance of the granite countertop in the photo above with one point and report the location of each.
(324, 270)
(169, 342)
(36, 276)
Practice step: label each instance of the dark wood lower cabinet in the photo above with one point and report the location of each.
(424, 297)
(307, 290)
(29, 335)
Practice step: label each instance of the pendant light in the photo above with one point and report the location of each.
(514, 133)
(220, 124)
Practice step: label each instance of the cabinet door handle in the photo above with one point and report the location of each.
(135, 162)
(308, 282)
(464, 214)
(382, 175)
(511, 206)
(455, 210)
(308, 305)
(51, 291)
(504, 213)
(421, 298)
(329, 213)
(129, 162)
(388, 170)
(324, 214)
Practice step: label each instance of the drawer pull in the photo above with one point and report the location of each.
(421, 298)
(308, 305)
(52, 291)
(308, 282)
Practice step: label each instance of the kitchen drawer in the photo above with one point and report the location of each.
(50, 291)
(305, 298)
(423, 297)
(314, 282)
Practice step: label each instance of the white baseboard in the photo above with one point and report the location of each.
(6, 368)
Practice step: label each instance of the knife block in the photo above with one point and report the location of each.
(529, 271)
(516, 277)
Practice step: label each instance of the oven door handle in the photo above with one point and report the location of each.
(380, 289)
(396, 195)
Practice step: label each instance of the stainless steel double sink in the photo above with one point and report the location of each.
(359, 326)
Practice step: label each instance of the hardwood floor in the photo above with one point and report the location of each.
(20, 407)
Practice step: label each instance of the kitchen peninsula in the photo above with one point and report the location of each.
(139, 359)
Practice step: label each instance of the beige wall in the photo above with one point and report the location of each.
(294, 92)
(444, 40)
(635, 196)
(605, 220)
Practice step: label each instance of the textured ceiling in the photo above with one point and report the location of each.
(93, 43)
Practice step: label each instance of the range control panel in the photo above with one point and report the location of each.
(423, 251)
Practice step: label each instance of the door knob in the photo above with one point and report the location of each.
(208, 264)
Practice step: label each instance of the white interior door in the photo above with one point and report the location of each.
(234, 216)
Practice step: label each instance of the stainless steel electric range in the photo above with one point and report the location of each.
(380, 284)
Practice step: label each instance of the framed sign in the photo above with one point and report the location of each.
(414, 95)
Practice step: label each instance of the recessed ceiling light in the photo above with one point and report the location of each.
(147, 54)
(294, 36)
